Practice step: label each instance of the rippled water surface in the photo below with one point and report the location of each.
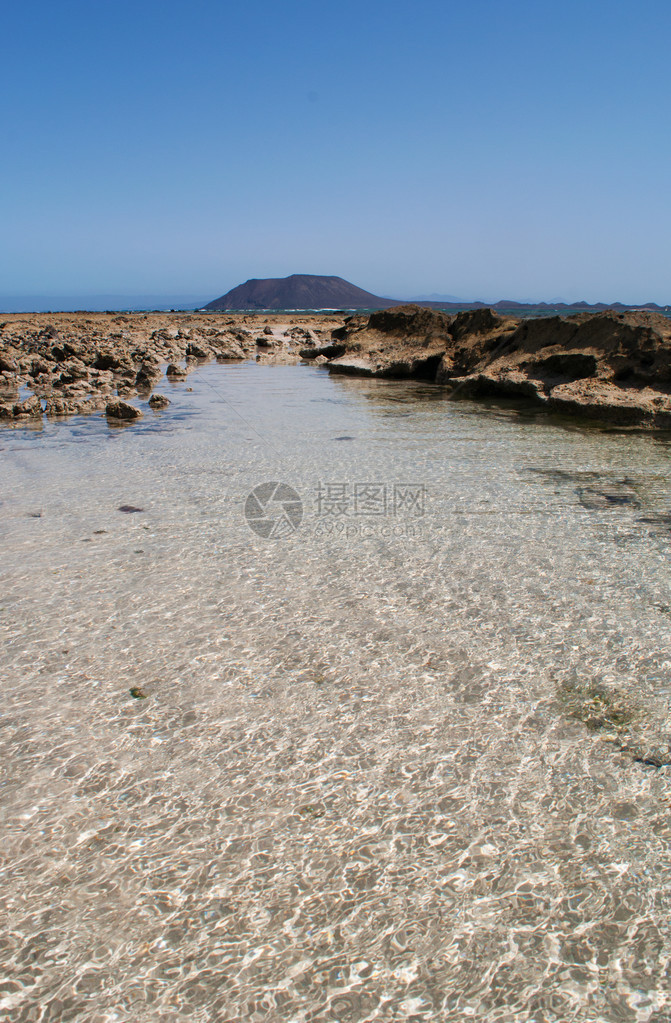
(371, 770)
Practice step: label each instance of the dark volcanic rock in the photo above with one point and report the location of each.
(614, 365)
(39, 366)
(122, 354)
(608, 495)
(94, 404)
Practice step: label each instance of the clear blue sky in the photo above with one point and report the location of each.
(482, 148)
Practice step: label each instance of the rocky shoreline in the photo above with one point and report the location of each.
(86, 363)
(609, 366)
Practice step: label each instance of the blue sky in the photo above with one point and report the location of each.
(486, 149)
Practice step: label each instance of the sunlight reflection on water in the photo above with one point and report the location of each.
(349, 788)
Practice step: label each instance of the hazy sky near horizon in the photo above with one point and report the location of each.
(482, 149)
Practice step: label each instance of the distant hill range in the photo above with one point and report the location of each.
(308, 291)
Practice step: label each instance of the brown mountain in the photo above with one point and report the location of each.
(299, 291)
(308, 291)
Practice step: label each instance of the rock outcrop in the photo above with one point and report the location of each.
(613, 366)
(159, 401)
(406, 341)
(122, 410)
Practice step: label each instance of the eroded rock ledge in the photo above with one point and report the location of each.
(611, 366)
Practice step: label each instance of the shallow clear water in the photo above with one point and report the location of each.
(353, 791)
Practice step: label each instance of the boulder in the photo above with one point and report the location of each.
(475, 321)
(158, 401)
(122, 410)
(147, 375)
(410, 321)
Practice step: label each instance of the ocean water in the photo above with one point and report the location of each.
(348, 720)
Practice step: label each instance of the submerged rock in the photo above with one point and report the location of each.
(608, 495)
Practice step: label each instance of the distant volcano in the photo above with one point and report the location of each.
(299, 291)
